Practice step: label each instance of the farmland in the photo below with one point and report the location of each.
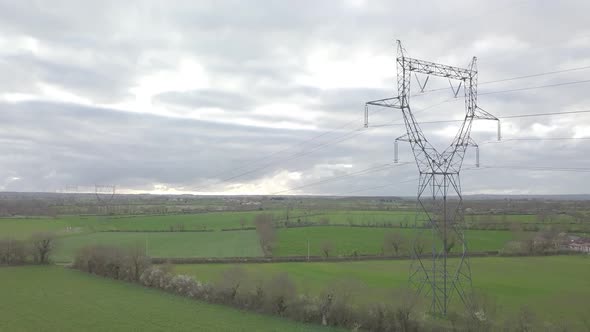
(347, 240)
(552, 287)
(291, 242)
(69, 300)
(200, 235)
(167, 244)
(555, 286)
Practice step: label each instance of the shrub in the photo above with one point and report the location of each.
(334, 303)
(378, 317)
(13, 252)
(228, 285)
(112, 262)
(327, 247)
(279, 293)
(156, 278)
(304, 309)
(186, 286)
(42, 246)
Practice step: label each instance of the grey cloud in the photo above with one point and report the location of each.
(206, 98)
(102, 82)
(85, 145)
(261, 47)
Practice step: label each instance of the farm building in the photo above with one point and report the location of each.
(580, 244)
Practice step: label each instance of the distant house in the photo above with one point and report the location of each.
(580, 244)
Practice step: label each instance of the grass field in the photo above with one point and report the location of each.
(77, 231)
(68, 300)
(167, 244)
(19, 227)
(291, 242)
(346, 240)
(24, 227)
(555, 287)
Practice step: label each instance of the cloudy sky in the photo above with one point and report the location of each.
(262, 97)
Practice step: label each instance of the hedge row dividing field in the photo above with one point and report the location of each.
(57, 299)
(555, 287)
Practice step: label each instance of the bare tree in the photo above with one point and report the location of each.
(482, 309)
(138, 262)
(393, 242)
(229, 283)
(266, 233)
(280, 292)
(335, 301)
(547, 239)
(451, 242)
(12, 251)
(43, 244)
(406, 308)
(327, 247)
(419, 245)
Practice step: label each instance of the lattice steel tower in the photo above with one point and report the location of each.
(105, 195)
(432, 272)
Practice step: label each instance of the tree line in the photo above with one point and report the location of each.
(35, 250)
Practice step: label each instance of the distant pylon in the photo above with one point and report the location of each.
(432, 272)
(105, 195)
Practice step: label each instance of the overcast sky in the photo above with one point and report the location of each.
(259, 97)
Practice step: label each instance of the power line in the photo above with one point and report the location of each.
(366, 171)
(292, 157)
(539, 168)
(338, 140)
(542, 114)
(513, 78)
(499, 117)
(535, 87)
(371, 169)
(376, 187)
(335, 178)
(252, 161)
(536, 75)
(348, 123)
(536, 139)
(358, 131)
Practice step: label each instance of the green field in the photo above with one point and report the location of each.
(19, 227)
(24, 227)
(167, 244)
(58, 299)
(365, 240)
(291, 242)
(556, 287)
(77, 231)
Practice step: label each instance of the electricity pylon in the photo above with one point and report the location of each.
(105, 195)
(432, 272)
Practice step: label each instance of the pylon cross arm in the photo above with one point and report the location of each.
(393, 102)
(436, 69)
